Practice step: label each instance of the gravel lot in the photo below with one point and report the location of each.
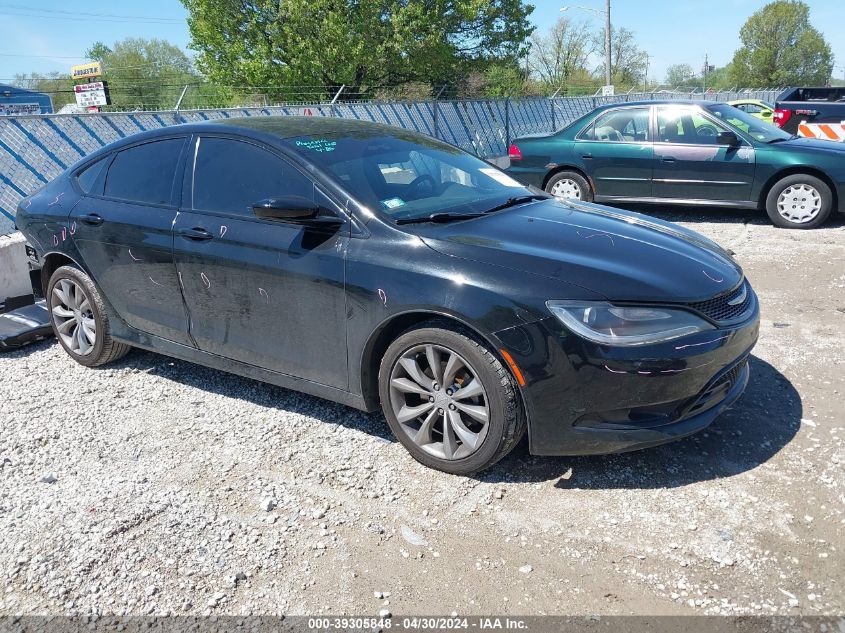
(154, 486)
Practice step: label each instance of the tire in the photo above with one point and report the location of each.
(570, 181)
(804, 191)
(71, 296)
(505, 420)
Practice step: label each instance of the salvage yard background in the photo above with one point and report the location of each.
(35, 149)
(154, 486)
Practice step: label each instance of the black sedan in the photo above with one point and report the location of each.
(384, 269)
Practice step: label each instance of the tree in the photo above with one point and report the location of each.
(144, 74)
(680, 75)
(627, 61)
(556, 57)
(780, 48)
(58, 85)
(363, 44)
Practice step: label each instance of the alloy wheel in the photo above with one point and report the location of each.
(799, 203)
(439, 401)
(73, 317)
(566, 188)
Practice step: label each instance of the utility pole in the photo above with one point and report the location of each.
(706, 64)
(607, 75)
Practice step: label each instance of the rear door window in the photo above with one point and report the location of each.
(628, 125)
(144, 173)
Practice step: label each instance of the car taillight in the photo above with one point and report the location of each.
(514, 153)
(781, 116)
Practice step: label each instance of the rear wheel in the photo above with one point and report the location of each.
(570, 185)
(799, 201)
(449, 400)
(79, 318)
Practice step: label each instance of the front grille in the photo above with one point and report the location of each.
(719, 308)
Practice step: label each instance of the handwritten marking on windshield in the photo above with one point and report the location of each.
(711, 278)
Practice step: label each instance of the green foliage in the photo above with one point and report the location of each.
(59, 86)
(366, 45)
(780, 48)
(627, 60)
(681, 75)
(144, 74)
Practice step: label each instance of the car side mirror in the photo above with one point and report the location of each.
(728, 138)
(294, 209)
(767, 114)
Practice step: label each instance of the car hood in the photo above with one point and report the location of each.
(620, 255)
(814, 144)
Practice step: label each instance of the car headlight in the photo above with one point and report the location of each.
(607, 324)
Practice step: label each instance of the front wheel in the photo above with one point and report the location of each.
(799, 201)
(449, 400)
(570, 185)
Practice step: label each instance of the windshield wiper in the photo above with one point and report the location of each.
(439, 218)
(512, 202)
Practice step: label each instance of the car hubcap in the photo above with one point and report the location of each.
(566, 188)
(73, 317)
(439, 401)
(799, 203)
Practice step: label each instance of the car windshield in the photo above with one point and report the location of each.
(761, 130)
(405, 176)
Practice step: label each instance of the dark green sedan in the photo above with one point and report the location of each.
(697, 153)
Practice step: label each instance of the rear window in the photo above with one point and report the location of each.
(144, 173)
(87, 178)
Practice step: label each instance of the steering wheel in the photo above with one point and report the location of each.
(417, 182)
(706, 130)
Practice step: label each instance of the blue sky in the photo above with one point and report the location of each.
(39, 35)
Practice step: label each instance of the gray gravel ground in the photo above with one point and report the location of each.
(154, 486)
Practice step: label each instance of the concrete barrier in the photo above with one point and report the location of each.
(15, 284)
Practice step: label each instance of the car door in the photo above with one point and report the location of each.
(616, 152)
(122, 227)
(269, 293)
(691, 164)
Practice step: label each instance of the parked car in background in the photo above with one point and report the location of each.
(812, 112)
(756, 108)
(387, 270)
(698, 153)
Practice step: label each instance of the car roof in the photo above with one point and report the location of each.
(282, 127)
(688, 102)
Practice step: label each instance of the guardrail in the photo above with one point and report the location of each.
(36, 148)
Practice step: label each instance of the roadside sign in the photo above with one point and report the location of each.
(608, 91)
(86, 70)
(92, 94)
(8, 109)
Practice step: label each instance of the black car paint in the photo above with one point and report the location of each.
(368, 279)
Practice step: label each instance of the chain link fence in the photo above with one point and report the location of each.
(35, 149)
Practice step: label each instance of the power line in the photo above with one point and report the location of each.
(83, 13)
(21, 14)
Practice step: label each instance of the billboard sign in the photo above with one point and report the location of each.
(86, 70)
(93, 94)
(8, 109)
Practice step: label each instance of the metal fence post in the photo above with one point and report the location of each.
(507, 122)
(436, 122)
(552, 104)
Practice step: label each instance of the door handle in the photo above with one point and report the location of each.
(197, 234)
(587, 156)
(91, 218)
(668, 159)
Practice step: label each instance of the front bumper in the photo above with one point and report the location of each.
(586, 399)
